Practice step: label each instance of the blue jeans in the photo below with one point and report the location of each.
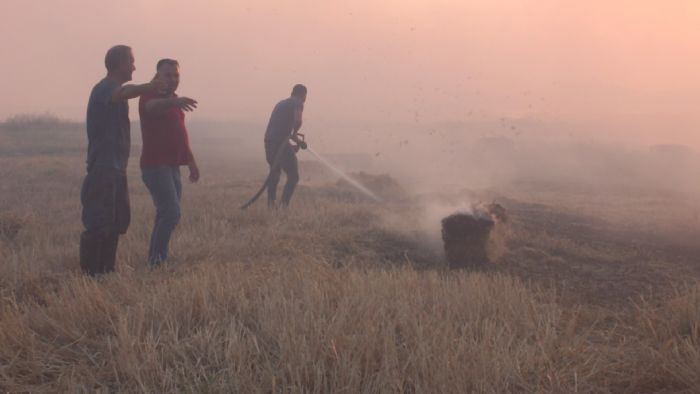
(166, 191)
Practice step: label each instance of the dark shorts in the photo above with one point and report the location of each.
(105, 199)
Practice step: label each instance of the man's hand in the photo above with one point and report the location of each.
(186, 103)
(299, 141)
(194, 172)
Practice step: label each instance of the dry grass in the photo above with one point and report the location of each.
(327, 298)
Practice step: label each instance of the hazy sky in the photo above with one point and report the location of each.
(629, 66)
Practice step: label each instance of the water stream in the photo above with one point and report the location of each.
(343, 175)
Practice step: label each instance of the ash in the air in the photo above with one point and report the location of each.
(466, 235)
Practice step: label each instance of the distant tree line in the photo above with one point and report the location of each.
(44, 121)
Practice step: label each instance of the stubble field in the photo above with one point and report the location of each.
(592, 291)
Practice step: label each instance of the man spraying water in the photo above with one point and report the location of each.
(285, 122)
(283, 127)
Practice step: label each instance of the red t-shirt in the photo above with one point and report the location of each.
(164, 135)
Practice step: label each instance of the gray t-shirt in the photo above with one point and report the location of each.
(108, 128)
(281, 123)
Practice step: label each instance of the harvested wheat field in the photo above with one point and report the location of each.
(343, 294)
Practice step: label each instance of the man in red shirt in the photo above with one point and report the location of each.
(166, 147)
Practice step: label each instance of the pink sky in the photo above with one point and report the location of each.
(628, 66)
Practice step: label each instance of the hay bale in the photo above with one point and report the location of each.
(465, 235)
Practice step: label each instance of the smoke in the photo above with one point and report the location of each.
(624, 69)
(450, 157)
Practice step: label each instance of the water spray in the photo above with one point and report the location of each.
(343, 175)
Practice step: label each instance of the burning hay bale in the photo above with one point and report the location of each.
(466, 235)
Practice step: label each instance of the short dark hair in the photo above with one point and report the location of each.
(170, 62)
(299, 90)
(115, 56)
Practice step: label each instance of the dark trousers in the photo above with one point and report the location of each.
(288, 163)
(166, 190)
(106, 214)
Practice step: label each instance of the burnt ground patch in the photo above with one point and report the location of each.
(591, 260)
(387, 248)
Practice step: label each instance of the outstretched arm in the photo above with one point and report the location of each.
(126, 92)
(161, 104)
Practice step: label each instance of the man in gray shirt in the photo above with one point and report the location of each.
(104, 194)
(285, 122)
